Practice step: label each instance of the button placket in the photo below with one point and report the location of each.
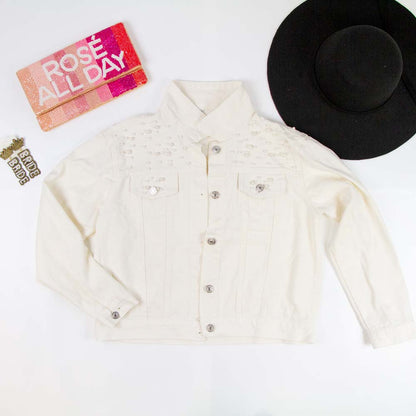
(210, 268)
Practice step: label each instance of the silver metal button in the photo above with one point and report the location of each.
(260, 187)
(115, 315)
(216, 149)
(209, 288)
(211, 241)
(210, 328)
(153, 190)
(215, 194)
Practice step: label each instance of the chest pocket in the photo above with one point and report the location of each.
(158, 196)
(259, 196)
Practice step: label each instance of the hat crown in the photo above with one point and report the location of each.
(359, 67)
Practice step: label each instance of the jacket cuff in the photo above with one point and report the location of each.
(112, 315)
(383, 337)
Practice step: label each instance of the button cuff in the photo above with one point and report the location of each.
(392, 335)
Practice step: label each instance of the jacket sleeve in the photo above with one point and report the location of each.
(358, 245)
(70, 199)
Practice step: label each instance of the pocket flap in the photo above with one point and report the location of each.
(155, 185)
(259, 185)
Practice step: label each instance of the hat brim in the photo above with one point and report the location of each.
(301, 104)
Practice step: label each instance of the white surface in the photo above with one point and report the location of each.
(47, 368)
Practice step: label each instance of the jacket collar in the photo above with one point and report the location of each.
(209, 108)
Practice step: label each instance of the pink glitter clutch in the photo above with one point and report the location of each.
(82, 76)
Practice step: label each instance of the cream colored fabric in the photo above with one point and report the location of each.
(125, 220)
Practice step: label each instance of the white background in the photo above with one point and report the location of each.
(50, 363)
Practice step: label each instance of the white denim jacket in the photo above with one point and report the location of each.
(203, 223)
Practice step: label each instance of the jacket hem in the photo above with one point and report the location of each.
(191, 332)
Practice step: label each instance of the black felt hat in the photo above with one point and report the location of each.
(344, 72)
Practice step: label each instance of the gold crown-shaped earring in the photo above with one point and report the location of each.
(16, 144)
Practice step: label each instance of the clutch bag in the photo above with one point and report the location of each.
(82, 76)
